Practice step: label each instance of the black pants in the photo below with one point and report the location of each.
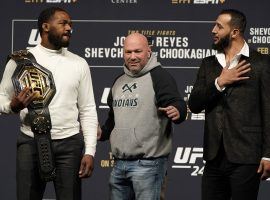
(223, 180)
(68, 154)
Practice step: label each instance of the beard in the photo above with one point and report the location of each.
(57, 40)
(222, 43)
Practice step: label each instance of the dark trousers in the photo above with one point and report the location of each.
(223, 180)
(67, 153)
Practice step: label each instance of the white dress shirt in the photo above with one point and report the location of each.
(222, 61)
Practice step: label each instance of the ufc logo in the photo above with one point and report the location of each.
(34, 38)
(187, 155)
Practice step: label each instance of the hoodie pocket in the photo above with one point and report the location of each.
(125, 144)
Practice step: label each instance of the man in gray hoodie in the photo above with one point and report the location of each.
(143, 102)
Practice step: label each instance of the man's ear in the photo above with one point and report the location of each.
(235, 33)
(46, 27)
(149, 53)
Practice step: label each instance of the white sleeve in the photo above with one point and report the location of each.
(218, 87)
(264, 158)
(87, 110)
(6, 87)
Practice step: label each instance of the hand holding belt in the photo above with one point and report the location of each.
(40, 80)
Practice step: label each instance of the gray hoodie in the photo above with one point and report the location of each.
(135, 126)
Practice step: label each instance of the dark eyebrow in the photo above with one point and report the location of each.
(65, 21)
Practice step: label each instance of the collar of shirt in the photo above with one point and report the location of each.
(222, 61)
(52, 51)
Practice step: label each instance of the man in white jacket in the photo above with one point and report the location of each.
(72, 108)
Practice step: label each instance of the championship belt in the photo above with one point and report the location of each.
(40, 80)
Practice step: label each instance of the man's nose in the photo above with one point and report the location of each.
(214, 30)
(68, 27)
(132, 55)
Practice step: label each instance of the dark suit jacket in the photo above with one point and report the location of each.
(239, 116)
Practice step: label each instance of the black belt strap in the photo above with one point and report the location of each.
(41, 127)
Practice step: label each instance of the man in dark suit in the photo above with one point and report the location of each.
(233, 87)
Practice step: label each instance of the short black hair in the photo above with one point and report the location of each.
(238, 19)
(46, 15)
